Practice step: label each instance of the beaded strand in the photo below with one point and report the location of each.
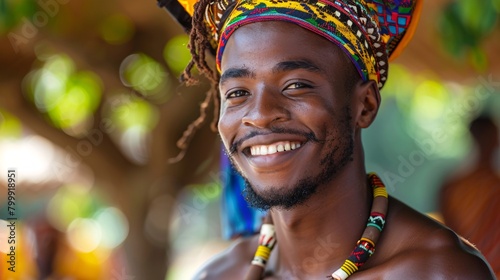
(365, 247)
(267, 240)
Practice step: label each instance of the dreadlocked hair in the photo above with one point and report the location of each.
(199, 44)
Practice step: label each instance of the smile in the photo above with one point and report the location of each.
(278, 147)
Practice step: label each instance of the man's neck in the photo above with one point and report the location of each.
(317, 236)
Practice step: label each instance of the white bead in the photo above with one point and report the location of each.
(267, 232)
(339, 274)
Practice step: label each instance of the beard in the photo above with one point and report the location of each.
(286, 197)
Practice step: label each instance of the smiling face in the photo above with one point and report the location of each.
(285, 111)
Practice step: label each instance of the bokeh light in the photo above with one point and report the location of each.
(68, 97)
(128, 111)
(114, 226)
(429, 102)
(145, 75)
(84, 235)
(134, 118)
(134, 141)
(48, 84)
(10, 126)
(69, 203)
(176, 53)
(31, 156)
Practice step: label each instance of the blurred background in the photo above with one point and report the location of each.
(91, 109)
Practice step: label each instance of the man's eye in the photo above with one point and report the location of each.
(236, 93)
(297, 85)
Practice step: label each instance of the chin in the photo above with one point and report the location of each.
(282, 197)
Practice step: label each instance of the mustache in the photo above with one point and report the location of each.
(310, 136)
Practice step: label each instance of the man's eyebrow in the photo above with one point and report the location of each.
(295, 65)
(236, 73)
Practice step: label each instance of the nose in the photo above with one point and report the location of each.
(267, 108)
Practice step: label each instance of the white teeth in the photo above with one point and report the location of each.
(287, 147)
(263, 150)
(272, 150)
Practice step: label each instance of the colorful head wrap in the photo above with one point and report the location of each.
(370, 32)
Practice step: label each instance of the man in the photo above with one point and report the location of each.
(299, 80)
(470, 199)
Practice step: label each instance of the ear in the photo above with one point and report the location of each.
(366, 98)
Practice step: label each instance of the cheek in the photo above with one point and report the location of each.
(225, 127)
(319, 117)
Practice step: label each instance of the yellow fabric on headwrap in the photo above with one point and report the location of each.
(188, 5)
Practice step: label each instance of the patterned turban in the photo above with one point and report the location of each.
(370, 32)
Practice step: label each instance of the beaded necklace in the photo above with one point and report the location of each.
(364, 247)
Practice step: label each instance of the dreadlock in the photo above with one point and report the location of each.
(199, 44)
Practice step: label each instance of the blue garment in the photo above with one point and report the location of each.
(237, 217)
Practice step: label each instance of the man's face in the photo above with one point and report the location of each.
(285, 117)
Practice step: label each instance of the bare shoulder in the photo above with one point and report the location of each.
(417, 247)
(230, 264)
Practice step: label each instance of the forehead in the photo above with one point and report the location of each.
(259, 45)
